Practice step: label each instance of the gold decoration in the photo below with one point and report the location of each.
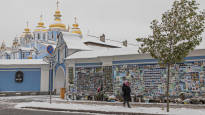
(58, 16)
(26, 30)
(76, 29)
(40, 26)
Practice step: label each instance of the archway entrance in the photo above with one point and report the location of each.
(59, 80)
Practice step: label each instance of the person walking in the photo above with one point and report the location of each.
(126, 93)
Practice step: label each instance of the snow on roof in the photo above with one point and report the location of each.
(70, 35)
(104, 53)
(47, 44)
(95, 39)
(74, 42)
(22, 62)
(26, 49)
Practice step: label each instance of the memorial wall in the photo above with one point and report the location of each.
(150, 79)
(145, 79)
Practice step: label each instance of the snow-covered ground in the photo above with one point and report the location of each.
(109, 108)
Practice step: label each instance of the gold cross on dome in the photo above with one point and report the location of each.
(75, 20)
(41, 17)
(57, 3)
(27, 24)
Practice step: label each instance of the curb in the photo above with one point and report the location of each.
(90, 111)
(191, 106)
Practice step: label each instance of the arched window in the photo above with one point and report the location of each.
(19, 76)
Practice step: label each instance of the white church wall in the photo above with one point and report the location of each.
(106, 61)
(44, 78)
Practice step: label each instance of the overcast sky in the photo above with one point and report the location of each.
(118, 19)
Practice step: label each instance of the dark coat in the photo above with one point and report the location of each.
(126, 92)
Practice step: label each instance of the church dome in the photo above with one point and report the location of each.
(26, 32)
(75, 28)
(40, 26)
(57, 22)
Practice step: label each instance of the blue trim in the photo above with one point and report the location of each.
(134, 61)
(194, 57)
(50, 80)
(88, 64)
(63, 66)
(58, 55)
(154, 60)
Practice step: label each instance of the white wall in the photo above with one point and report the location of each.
(44, 78)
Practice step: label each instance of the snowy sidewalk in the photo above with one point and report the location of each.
(108, 109)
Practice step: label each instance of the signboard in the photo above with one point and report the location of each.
(19, 77)
(50, 49)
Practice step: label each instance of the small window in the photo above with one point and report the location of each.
(44, 36)
(38, 36)
(19, 77)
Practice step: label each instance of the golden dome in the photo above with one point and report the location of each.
(58, 25)
(40, 30)
(57, 14)
(76, 29)
(26, 30)
(40, 26)
(75, 25)
(77, 32)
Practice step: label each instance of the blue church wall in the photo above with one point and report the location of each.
(40, 56)
(52, 35)
(49, 35)
(43, 51)
(31, 79)
(33, 44)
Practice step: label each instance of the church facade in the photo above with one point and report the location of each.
(33, 46)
